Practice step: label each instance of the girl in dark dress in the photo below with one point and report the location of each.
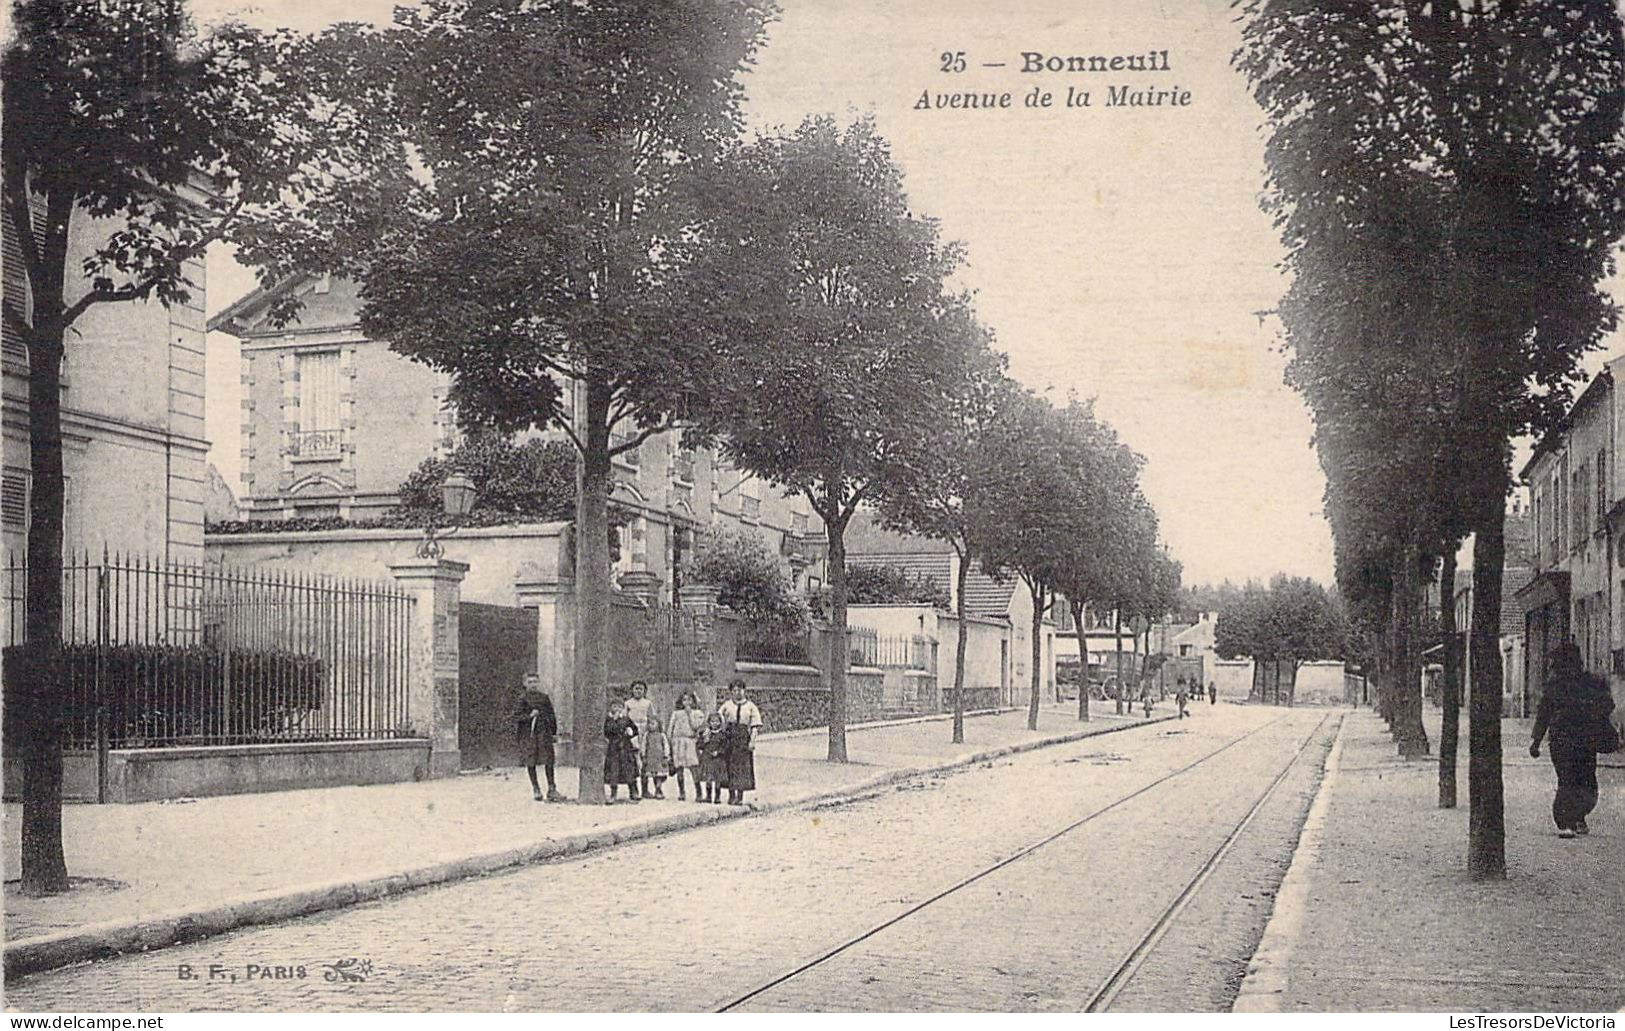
(537, 727)
(620, 753)
(713, 758)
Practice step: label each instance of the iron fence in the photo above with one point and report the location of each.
(160, 654)
(864, 645)
(904, 652)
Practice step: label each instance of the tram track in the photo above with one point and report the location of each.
(1123, 973)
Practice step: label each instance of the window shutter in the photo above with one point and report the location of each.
(14, 499)
(15, 286)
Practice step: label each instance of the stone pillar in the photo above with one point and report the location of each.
(699, 603)
(435, 586)
(554, 602)
(642, 585)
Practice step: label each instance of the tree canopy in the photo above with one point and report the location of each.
(838, 345)
(533, 479)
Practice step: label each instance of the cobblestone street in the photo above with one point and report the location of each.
(702, 919)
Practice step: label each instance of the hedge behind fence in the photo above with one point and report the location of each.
(169, 694)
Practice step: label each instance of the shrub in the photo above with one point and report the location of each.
(535, 480)
(179, 693)
(750, 580)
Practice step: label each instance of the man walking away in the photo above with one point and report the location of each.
(1574, 709)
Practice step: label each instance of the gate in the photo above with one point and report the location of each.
(497, 647)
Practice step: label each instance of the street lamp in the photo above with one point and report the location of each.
(456, 501)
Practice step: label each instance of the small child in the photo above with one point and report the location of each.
(713, 758)
(620, 753)
(656, 756)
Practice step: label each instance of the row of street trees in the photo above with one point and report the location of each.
(1447, 180)
(540, 195)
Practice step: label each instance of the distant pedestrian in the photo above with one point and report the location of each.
(684, 733)
(1182, 698)
(713, 745)
(1145, 700)
(537, 726)
(744, 721)
(1212, 693)
(1574, 709)
(620, 752)
(656, 756)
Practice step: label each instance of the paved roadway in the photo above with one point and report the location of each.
(701, 919)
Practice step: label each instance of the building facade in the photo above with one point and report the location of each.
(134, 451)
(333, 422)
(1006, 602)
(1576, 522)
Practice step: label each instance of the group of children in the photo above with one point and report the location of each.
(713, 751)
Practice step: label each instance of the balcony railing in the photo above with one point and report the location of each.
(318, 444)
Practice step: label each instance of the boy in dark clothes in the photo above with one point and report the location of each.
(537, 727)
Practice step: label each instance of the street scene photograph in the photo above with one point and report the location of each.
(797, 506)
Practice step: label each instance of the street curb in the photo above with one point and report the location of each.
(1266, 978)
(112, 938)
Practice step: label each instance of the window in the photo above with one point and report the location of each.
(14, 500)
(567, 401)
(1184, 651)
(750, 499)
(620, 438)
(15, 284)
(682, 464)
(319, 435)
(798, 523)
(1560, 512)
(1602, 488)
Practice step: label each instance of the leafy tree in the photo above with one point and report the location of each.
(750, 579)
(533, 480)
(132, 142)
(941, 499)
(1105, 560)
(1293, 620)
(1059, 472)
(537, 248)
(1468, 155)
(837, 342)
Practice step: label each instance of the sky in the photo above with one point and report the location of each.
(1116, 252)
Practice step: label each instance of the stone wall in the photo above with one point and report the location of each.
(975, 698)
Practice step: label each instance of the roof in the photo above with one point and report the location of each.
(985, 595)
(230, 320)
(1513, 580)
(866, 537)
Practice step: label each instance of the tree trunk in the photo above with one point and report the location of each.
(1134, 664)
(959, 651)
(840, 652)
(1117, 638)
(1451, 676)
(1038, 593)
(1078, 613)
(592, 597)
(44, 866)
(1486, 829)
(1290, 693)
(1407, 608)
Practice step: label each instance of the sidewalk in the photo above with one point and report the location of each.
(1377, 912)
(154, 873)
